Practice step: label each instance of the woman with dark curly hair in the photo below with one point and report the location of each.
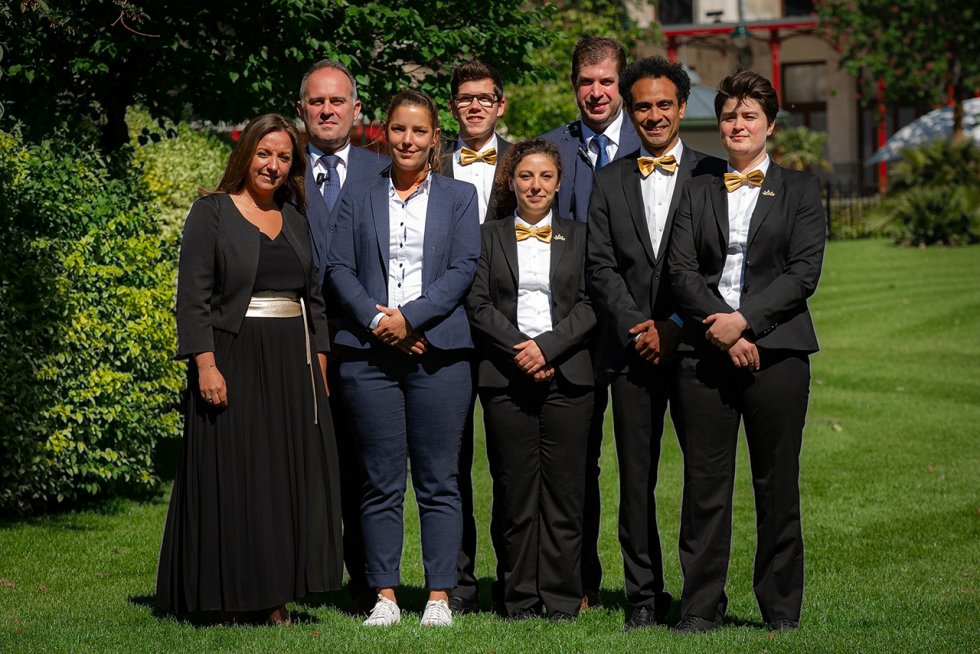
(532, 322)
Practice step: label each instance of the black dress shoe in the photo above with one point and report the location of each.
(784, 624)
(560, 616)
(521, 615)
(461, 606)
(694, 624)
(643, 616)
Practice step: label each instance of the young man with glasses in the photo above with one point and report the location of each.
(477, 103)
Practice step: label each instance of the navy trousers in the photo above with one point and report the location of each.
(409, 408)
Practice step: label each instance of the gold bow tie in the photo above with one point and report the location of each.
(668, 164)
(543, 234)
(467, 156)
(734, 181)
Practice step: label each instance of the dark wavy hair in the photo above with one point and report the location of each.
(421, 99)
(653, 67)
(506, 199)
(233, 179)
(747, 85)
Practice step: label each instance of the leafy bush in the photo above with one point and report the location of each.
(934, 196)
(175, 160)
(86, 330)
(799, 148)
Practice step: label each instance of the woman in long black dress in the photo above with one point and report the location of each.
(254, 517)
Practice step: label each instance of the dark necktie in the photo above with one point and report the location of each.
(601, 140)
(331, 189)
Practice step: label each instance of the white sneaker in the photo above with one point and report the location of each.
(384, 614)
(437, 614)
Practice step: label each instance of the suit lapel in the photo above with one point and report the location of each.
(634, 202)
(436, 234)
(289, 229)
(771, 189)
(379, 210)
(557, 251)
(719, 205)
(684, 172)
(508, 244)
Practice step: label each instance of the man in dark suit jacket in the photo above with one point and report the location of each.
(328, 107)
(630, 219)
(600, 135)
(745, 256)
(477, 103)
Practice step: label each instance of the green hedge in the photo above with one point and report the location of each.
(86, 327)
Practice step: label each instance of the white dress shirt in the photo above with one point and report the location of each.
(406, 234)
(317, 167)
(533, 281)
(479, 173)
(741, 204)
(612, 132)
(658, 189)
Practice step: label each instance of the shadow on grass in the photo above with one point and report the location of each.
(212, 618)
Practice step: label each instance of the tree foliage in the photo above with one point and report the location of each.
(920, 49)
(229, 60)
(548, 100)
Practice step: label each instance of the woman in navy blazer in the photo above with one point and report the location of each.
(532, 322)
(401, 259)
(744, 257)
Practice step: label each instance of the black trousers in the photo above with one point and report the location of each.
(351, 481)
(591, 565)
(713, 397)
(536, 443)
(639, 398)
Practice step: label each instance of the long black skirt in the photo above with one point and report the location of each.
(254, 519)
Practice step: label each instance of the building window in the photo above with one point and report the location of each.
(805, 94)
(675, 12)
(798, 8)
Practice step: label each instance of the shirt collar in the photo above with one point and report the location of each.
(764, 167)
(612, 131)
(343, 153)
(677, 151)
(423, 188)
(544, 222)
(492, 143)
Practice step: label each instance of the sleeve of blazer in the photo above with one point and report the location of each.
(689, 287)
(196, 279)
(572, 331)
(491, 326)
(785, 295)
(342, 265)
(448, 290)
(606, 286)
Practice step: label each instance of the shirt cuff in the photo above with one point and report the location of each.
(377, 320)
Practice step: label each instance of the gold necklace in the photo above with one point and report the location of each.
(248, 197)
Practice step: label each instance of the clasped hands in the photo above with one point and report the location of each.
(656, 340)
(531, 360)
(725, 330)
(395, 331)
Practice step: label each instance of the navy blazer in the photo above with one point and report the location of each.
(219, 257)
(362, 165)
(446, 165)
(358, 254)
(787, 235)
(577, 169)
(492, 306)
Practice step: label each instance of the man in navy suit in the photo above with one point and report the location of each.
(328, 107)
(601, 134)
(477, 103)
(630, 223)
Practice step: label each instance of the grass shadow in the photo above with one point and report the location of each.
(212, 618)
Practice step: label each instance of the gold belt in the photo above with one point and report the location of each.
(285, 305)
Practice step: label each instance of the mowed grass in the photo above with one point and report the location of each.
(891, 490)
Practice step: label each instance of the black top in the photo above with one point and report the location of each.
(279, 267)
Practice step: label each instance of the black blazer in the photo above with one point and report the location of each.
(492, 306)
(627, 279)
(446, 168)
(219, 256)
(787, 234)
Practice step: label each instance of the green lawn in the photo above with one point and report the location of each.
(891, 490)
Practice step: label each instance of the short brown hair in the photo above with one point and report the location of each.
(421, 99)
(233, 179)
(473, 71)
(507, 201)
(747, 85)
(591, 50)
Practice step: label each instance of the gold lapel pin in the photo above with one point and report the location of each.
(771, 194)
(558, 237)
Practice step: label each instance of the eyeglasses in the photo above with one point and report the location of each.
(485, 99)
